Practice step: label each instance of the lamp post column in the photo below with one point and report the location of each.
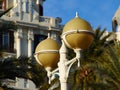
(63, 67)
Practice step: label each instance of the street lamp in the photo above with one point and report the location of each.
(77, 34)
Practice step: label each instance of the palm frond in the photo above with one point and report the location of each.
(6, 11)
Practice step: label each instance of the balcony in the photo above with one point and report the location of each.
(48, 21)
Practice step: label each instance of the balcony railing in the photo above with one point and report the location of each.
(53, 22)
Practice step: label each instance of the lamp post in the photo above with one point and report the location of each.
(77, 34)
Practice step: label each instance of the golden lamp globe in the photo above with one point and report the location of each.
(78, 33)
(47, 53)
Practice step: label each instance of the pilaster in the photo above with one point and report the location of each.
(25, 5)
(118, 34)
(19, 37)
(30, 10)
(15, 2)
(20, 9)
(30, 42)
(119, 27)
(39, 4)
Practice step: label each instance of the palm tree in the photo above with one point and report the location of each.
(8, 70)
(87, 77)
(7, 65)
(30, 69)
(6, 11)
(22, 67)
(99, 44)
(35, 72)
(5, 25)
(111, 66)
(11, 68)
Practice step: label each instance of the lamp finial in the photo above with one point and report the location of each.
(77, 14)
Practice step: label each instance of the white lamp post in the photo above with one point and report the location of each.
(77, 34)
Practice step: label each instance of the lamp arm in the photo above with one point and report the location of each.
(72, 61)
(50, 73)
(69, 64)
(54, 71)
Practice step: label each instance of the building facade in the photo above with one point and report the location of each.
(116, 24)
(32, 27)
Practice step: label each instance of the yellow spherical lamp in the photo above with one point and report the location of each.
(47, 53)
(78, 33)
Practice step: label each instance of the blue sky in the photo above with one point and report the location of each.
(96, 12)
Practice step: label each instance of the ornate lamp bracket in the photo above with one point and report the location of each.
(64, 65)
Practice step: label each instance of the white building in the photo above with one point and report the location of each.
(116, 24)
(32, 27)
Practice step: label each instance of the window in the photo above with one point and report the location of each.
(0, 40)
(25, 83)
(7, 41)
(4, 40)
(38, 38)
(40, 10)
(1, 3)
(27, 7)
